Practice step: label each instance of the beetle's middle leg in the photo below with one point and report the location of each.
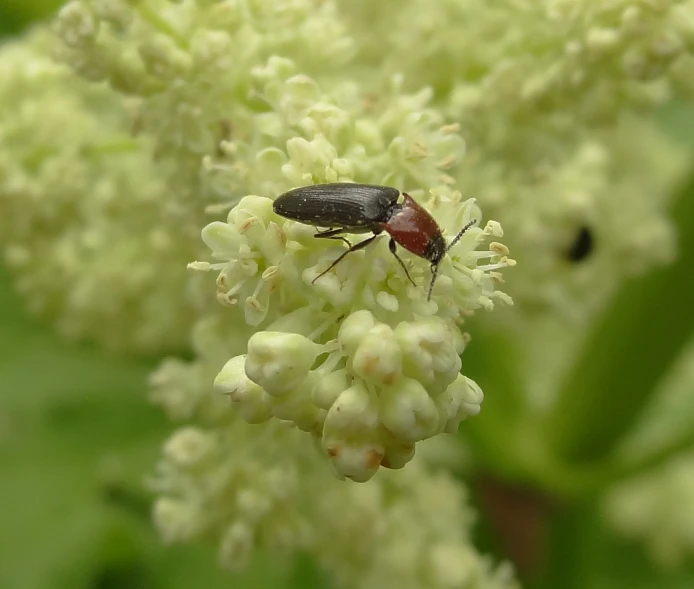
(352, 248)
(333, 234)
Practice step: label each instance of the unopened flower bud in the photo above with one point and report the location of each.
(278, 361)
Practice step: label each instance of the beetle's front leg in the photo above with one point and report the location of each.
(393, 250)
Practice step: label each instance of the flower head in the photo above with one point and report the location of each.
(358, 357)
(89, 224)
(254, 487)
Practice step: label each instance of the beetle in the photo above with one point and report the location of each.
(344, 207)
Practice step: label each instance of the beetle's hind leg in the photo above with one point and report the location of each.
(352, 248)
(333, 234)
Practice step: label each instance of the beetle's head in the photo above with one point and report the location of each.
(437, 249)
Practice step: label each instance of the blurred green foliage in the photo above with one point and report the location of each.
(16, 15)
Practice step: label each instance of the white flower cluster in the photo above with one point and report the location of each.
(242, 495)
(90, 227)
(360, 358)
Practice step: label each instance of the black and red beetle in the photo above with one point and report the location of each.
(343, 207)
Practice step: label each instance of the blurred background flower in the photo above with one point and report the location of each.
(160, 428)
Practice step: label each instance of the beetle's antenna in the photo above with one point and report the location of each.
(460, 234)
(435, 267)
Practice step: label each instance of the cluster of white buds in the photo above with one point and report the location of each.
(360, 358)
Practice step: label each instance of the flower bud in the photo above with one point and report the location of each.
(222, 238)
(357, 461)
(460, 399)
(244, 393)
(328, 387)
(354, 329)
(296, 406)
(429, 353)
(175, 520)
(188, 447)
(278, 361)
(407, 410)
(378, 357)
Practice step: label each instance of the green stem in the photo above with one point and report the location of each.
(630, 348)
(575, 481)
(678, 444)
(493, 355)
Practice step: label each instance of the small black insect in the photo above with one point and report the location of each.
(582, 245)
(364, 208)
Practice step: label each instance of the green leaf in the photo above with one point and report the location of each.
(17, 15)
(77, 440)
(584, 553)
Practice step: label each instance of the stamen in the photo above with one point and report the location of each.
(258, 287)
(331, 362)
(321, 329)
(489, 267)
